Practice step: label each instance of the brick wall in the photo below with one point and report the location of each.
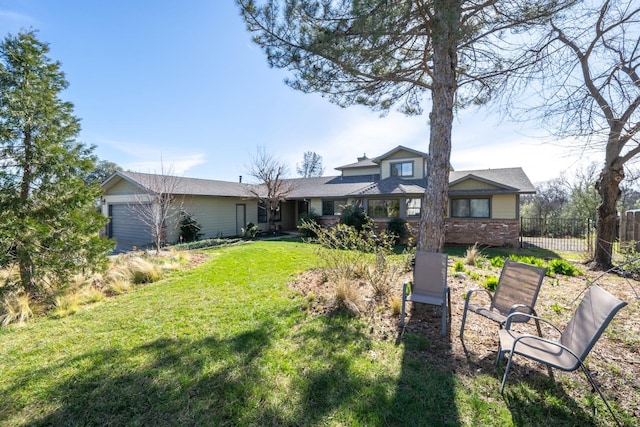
(491, 232)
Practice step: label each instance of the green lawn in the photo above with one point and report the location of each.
(228, 343)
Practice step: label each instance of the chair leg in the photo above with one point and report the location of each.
(593, 384)
(464, 316)
(403, 306)
(443, 332)
(506, 372)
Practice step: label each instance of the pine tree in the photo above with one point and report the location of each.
(49, 221)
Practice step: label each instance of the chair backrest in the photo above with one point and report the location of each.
(430, 273)
(519, 283)
(591, 318)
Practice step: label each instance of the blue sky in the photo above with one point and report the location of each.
(179, 85)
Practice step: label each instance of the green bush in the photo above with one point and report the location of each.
(189, 228)
(398, 228)
(250, 231)
(355, 216)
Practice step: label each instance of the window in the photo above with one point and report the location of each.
(413, 207)
(470, 208)
(333, 207)
(263, 215)
(262, 212)
(402, 169)
(383, 208)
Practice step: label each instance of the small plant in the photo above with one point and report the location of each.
(557, 308)
(563, 267)
(497, 261)
(395, 303)
(382, 275)
(491, 283)
(250, 231)
(473, 255)
(458, 266)
(346, 296)
(66, 305)
(474, 275)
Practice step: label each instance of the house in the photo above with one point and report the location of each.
(483, 204)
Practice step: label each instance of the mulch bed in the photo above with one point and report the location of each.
(614, 361)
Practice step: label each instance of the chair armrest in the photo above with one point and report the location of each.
(472, 291)
(507, 323)
(515, 308)
(550, 342)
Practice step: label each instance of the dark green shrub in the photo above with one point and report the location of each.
(355, 216)
(189, 228)
(398, 228)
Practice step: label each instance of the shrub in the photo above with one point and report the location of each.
(250, 231)
(308, 218)
(355, 216)
(189, 228)
(382, 275)
(398, 228)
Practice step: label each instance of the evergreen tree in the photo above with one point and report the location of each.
(49, 223)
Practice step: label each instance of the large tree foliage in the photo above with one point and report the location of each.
(49, 221)
(589, 81)
(382, 53)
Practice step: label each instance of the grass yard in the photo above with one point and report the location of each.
(230, 343)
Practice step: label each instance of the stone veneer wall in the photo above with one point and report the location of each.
(492, 232)
(463, 231)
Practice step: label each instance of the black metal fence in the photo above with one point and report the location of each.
(563, 234)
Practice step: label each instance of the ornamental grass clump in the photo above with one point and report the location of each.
(15, 308)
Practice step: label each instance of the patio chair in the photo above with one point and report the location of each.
(517, 291)
(591, 318)
(429, 285)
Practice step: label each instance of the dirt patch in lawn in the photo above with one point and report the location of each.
(614, 361)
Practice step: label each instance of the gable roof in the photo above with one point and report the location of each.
(510, 180)
(399, 148)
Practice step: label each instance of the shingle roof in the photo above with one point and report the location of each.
(511, 180)
(184, 186)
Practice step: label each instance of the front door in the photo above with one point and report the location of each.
(241, 218)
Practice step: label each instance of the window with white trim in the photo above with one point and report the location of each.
(402, 169)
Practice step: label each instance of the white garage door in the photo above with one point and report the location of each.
(128, 229)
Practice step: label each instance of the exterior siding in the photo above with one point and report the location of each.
(361, 171)
(504, 206)
(472, 184)
(418, 165)
(217, 215)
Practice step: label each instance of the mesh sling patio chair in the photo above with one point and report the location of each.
(568, 353)
(517, 291)
(429, 285)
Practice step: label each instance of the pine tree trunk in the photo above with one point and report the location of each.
(434, 204)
